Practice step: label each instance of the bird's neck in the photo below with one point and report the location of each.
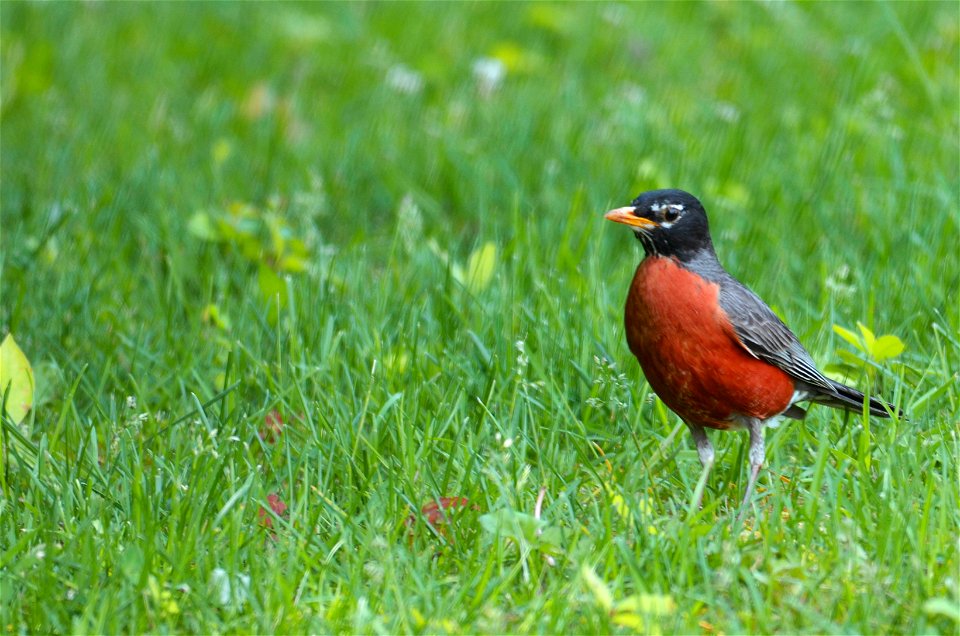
(682, 248)
(702, 260)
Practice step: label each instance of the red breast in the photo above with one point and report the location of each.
(690, 353)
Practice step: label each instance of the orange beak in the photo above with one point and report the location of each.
(627, 217)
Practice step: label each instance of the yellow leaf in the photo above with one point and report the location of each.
(212, 315)
(514, 57)
(885, 347)
(292, 263)
(645, 506)
(849, 336)
(649, 604)
(418, 618)
(396, 362)
(480, 267)
(273, 291)
(596, 585)
(221, 151)
(618, 502)
(629, 619)
(15, 373)
(620, 505)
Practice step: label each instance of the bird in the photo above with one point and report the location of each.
(709, 347)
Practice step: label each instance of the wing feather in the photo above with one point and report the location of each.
(766, 337)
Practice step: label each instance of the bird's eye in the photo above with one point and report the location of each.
(671, 215)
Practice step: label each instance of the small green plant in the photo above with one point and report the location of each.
(264, 238)
(530, 533)
(641, 612)
(479, 270)
(872, 350)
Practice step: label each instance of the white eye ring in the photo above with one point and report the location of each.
(671, 215)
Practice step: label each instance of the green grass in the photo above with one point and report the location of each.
(823, 139)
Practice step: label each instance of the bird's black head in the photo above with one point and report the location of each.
(668, 223)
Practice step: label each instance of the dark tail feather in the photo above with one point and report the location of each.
(852, 400)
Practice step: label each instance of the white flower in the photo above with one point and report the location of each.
(839, 281)
(220, 585)
(409, 222)
(404, 80)
(489, 73)
(727, 112)
(522, 359)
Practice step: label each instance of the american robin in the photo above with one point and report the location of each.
(709, 347)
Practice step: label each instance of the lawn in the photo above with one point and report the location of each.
(326, 322)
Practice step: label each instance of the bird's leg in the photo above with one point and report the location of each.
(705, 451)
(756, 454)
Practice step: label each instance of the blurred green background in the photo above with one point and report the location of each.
(384, 222)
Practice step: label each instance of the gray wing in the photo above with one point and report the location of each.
(765, 336)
